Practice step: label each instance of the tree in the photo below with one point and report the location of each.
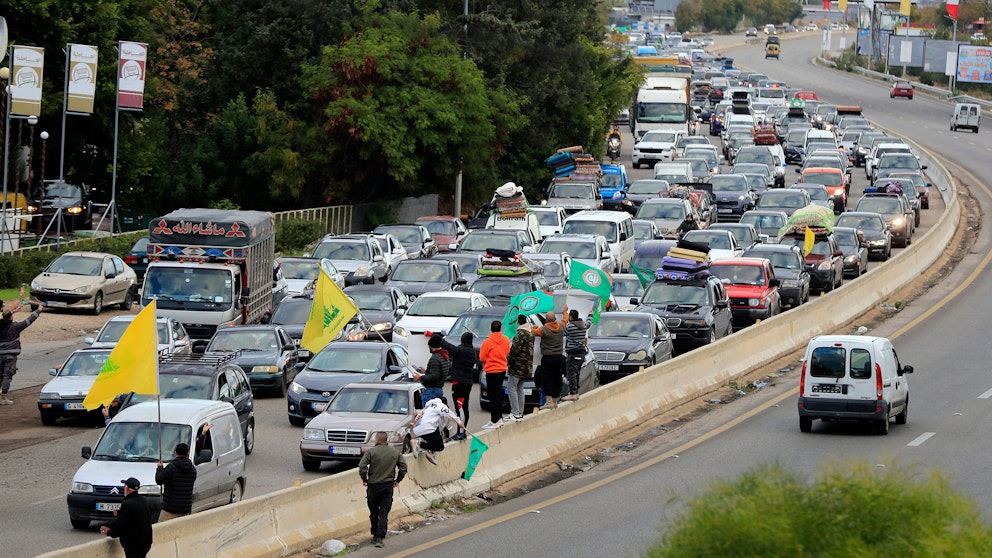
(850, 509)
(721, 15)
(687, 15)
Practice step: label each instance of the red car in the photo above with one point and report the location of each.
(901, 89)
(751, 286)
(445, 230)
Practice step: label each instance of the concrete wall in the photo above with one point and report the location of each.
(295, 518)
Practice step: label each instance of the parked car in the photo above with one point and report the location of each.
(63, 395)
(346, 429)
(85, 280)
(172, 336)
(627, 342)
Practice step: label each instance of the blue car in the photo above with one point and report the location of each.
(613, 189)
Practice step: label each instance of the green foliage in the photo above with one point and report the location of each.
(853, 509)
(687, 15)
(761, 12)
(21, 269)
(293, 235)
(380, 214)
(223, 203)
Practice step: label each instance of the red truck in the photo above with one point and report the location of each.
(751, 286)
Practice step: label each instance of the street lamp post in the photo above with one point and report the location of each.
(32, 120)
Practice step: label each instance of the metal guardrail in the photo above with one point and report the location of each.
(937, 91)
(335, 219)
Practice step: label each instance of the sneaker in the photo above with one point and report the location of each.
(6, 400)
(570, 397)
(430, 457)
(460, 436)
(378, 542)
(492, 425)
(518, 418)
(510, 418)
(416, 449)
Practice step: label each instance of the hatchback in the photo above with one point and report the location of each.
(901, 89)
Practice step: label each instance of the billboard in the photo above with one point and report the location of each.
(974, 64)
(81, 81)
(131, 75)
(25, 80)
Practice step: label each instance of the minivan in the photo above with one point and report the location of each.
(616, 227)
(130, 447)
(853, 377)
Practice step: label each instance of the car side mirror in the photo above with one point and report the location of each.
(453, 246)
(289, 347)
(53, 372)
(907, 369)
(110, 275)
(528, 250)
(923, 167)
(300, 366)
(89, 340)
(227, 400)
(722, 304)
(774, 282)
(205, 456)
(461, 281)
(377, 258)
(200, 346)
(86, 452)
(384, 278)
(634, 300)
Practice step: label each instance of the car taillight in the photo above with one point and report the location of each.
(802, 380)
(878, 381)
(131, 260)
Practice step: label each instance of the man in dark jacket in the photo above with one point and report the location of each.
(381, 468)
(134, 522)
(464, 364)
(177, 480)
(437, 371)
(10, 345)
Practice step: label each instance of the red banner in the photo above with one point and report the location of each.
(952, 9)
(826, 5)
(131, 75)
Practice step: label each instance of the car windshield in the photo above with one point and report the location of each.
(883, 206)
(84, 363)
(755, 157)
(477, 324)
(643, 231)
(499, 288)
(738, 274)
(846, 238)
(476, 242)
(179, 386)
(778, 258)
(662, 112)
(729, 183)
(826, 178)
(820, 247)
(620, 326)
(606, 229)
(443, 228)
(188, 284)
(776, 199)
(139, 441)
(293, 311)
(249, 340)
(63, 190)
(548, 218)
(675, 293)
(627, 287)
(715, 240)
(465, 264)
(421, 272)
(611, 181)
(407, 235)
(112, 331)
(450, 307)
(300, 269)
(699, 166)
(339, 359)
(763, 221)
(860, 222)
(573, 191)
(374, 301)
(898, 162)
(659, 136)
(76, 265)
(661, 211)
(741, 167)
(552, 268)
(581, 249)
(818, 194)
(370, 400)
(342, 250)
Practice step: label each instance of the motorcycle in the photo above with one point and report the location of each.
(613, 149)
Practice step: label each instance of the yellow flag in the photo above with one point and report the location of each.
(330, 311)
(131, 366)
(842, 5)
(808, 242)
(904, 7)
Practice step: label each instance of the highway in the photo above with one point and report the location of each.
(620, 520)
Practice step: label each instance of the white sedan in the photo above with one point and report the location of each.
(435, 311)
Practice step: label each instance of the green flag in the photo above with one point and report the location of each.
(525, 304)
(475, 452)
(644, 276)
(590, 279)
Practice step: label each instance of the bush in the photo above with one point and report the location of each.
(852, 509)
(18, 269)
(294, 235)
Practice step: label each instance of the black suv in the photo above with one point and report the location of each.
(697, 311)
(72, 199)
(825, 262)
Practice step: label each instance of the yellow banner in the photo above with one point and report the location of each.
(842, 5)
(808, 242)
(131, 366)
(904, 6)
(81, 81)
(329, 313)
(25, 80)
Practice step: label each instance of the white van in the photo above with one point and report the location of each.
(673, 171)
(617, 227)
(853, 377)
(130, 447)
(966, 115)
(529, 222)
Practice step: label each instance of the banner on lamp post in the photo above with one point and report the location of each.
(952, 9)
(131, 66)
(25, 80)
(81, 82)
(904, 7)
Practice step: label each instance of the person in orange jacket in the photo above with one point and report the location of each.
(493, 354)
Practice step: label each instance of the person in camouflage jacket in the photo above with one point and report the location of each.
(520, 367)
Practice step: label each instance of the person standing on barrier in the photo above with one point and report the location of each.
(576, 332)
(464, 365)
(552, 335)
(381, 469)
(520, 367)
(493, 355)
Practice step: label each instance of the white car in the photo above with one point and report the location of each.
(393, 251)
(172, 336)
(655, 146)
(591, 250)
(723, 244)
(550, 219)
(435, 311)
(300, 272)
(63, 395)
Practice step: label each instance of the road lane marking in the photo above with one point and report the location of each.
(46, 500)
(920, 439)
(986, 395)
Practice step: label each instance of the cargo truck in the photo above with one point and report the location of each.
(662, 104)
(210, 268)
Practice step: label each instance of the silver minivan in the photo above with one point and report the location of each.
(130, 447)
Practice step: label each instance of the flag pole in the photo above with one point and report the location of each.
(369, 322)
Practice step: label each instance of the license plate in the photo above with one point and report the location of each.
(725, 210)
(56, 304)
(610, 367)
(528, 391)
(74, 407)
(672, 335)
(319, 407)
(303, 353)
(344, 451)
(826, 388)
(108, 507)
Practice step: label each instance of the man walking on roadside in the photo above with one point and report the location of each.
(493, 355)
(134, 522)
(552, 335)
(177, 479)
(10, 345)
(575, 351)
(381, 468)
(520, 367)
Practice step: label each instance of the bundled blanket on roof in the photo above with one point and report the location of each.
(812, 216)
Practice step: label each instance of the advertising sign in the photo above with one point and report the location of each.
(131, 75)
(974, 64)
(81, 81)
(25, 80)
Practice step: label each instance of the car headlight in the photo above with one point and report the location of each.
(82, 488)
(391, 437)
(694, 323)
(150, 489)
(638, 355)
(74, 210)
(402, 332)
(270, 369)
(313, 434)
(36, 286)
(879, 242)
(852, 258)
(297, 388)
(754, 302)
(897, 222)
(824, 266)
(790, 283)
(628, 203)
(383, 326)
(32, 208)
(81, 290)
(362, 271)
(49, 395)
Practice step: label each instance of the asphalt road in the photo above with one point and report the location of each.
(624, 521)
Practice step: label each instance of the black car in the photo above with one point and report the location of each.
(137, 258)
(733, 196)
(852, 242)
(415, 238)
(267, 354)
(340, 363)
(626, 342)
(211, 377)
(696, 311)
(825, 262)
(70, 202)
(873, 227)
(790, 269)
(416, 277)
(499, 289)
(379, 307)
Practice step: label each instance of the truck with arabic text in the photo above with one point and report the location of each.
(210, 268)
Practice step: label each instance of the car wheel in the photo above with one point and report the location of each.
(237, 492)
(128, 299)
(296, 421)
(904, 415)
(888, 254)
(882, 426)
(712, 338)
(250, 437)
(80, 523)
(311, 464)
(805, 424)
(49, 420)
(98, 303)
